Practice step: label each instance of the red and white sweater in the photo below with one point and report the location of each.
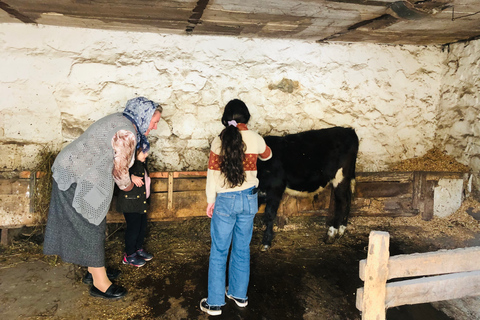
(256, 148)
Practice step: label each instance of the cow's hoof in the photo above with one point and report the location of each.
(341, 231)
(329, 240)
(264, 247)
(332, 235)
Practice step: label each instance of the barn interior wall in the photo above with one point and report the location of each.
(459, 107)
(56, 81)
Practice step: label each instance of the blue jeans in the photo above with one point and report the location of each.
(232, 224)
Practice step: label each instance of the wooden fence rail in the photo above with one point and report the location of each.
(441, 275)
(179, 195)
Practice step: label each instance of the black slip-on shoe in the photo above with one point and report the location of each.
(112, 274)
(113, 292)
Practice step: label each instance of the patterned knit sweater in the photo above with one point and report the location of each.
(256, 148)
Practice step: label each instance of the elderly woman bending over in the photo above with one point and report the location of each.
(84, 174)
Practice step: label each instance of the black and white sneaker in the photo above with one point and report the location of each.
(211, 310)
(242, 303)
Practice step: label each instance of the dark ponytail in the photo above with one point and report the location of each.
(233, 147)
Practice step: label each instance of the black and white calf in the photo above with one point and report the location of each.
(305, 163)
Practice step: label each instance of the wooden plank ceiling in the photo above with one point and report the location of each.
(374, 21)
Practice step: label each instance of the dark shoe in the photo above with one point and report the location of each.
(144, 255)
(242, 303)
(133, 260)
(112, 274)
(211, 310)
(113, 292)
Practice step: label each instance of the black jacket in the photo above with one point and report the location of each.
(135, 200)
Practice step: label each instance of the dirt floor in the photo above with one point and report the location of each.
(299, 278)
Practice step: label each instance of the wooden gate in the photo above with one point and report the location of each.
(441, 275)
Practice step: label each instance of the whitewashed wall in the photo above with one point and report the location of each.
(459, 108)
(56, 81)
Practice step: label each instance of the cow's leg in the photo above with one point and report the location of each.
(273, 202)
(343, 197)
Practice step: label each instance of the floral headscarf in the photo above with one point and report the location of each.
(140, 111)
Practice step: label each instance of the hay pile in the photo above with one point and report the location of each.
(433, 160)
(43, 184)
(460, 225)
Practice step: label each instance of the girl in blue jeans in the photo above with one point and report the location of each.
(232, 205)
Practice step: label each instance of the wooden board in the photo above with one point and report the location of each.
(430, 263)
(428, 289)
(15, 204)
(179, 184)
(185, 204)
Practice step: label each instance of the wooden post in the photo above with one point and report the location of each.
(376, 275)
(4, 238)
(288, 206)
(33, 190)
(428, 202)
(419, 181)
(170, 191)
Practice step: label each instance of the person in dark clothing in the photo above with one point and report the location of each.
(134, 205)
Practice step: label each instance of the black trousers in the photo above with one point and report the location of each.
(135, 233)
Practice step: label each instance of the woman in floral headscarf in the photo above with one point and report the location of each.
(84, 173)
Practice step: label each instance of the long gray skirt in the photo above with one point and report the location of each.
(71, 236)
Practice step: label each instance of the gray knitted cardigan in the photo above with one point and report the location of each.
(88, 162)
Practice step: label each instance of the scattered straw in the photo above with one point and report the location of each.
(459, 225)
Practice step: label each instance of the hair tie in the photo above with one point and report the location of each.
(232, 123)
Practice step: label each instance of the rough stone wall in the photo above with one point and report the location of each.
(56, 81)
(459, 108)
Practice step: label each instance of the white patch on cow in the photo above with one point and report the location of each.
(338, 178)
(341, 230)
(303, 194)
(332, 232)
(335, 181)
(353, 184)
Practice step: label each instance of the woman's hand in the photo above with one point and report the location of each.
(210, 207)
(138, 181)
